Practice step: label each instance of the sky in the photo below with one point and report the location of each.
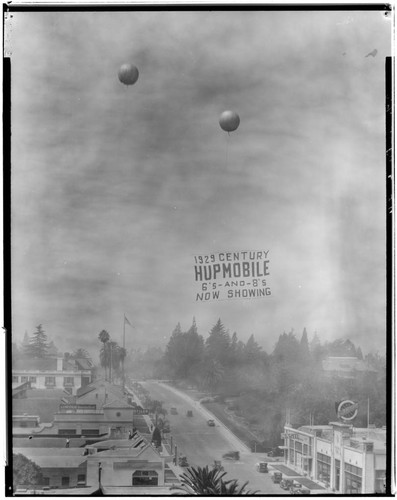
(116, 188)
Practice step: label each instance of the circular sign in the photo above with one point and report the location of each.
(347, 410)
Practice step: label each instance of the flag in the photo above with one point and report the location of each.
(126, 320)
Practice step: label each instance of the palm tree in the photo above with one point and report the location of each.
(200, 481)
(232, 488)
(104, 337)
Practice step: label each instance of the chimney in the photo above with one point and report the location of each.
(59, 364)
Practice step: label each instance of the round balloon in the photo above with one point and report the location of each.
(128, 74)
(229, 121)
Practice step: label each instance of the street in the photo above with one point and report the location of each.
(202, 444)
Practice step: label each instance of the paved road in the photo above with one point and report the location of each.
(203, 444)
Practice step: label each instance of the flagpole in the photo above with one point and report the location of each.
(123, 353)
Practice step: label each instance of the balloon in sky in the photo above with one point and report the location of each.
(229, 121)
(128, 74)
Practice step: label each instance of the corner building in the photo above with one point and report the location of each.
(339, 457)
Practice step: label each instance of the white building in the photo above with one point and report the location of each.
(51, 373)
(343, 459)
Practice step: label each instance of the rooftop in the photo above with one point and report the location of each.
(53, 457)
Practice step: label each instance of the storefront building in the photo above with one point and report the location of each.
(339, 457)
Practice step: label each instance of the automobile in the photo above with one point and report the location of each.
(277, 477)
(299, 491)
(183, 462)
(286, 484)
(211, 423)
(189, 413)
(295, 486)
(276, 452)
(174, 411)
(262, 467)
(232, 455)
(217, 465)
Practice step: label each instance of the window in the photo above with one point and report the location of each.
(90, 432)
(145, 478)
(68, 381)
(46, 481)
(65, 481)
(15, 379)
(49, 381)
(118, 414)
(65, 432)
(32, 379)
(24, 378)
(81, 479)
(323, 468)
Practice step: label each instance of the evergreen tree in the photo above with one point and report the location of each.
(38, 346)
(218, 343)
(156, 437)
(304, 347)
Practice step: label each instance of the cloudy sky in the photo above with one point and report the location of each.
(116, 188)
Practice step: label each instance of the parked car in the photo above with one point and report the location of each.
(217, 465)
(276, 452)
(262, 467)
(174, 411)
(286, 484)
(300, 491)
(277, 477)
(211, 423)
(295, 486)
(189, 413)
(232, 455)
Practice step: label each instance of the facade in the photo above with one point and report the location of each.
(112, 463)
(341, 458)
(61, 467)
(51, 373)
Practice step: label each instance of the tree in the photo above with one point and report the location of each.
(38, 346)
(218, 343)
(203, 481)
(80, 353)
(156, 437)
(200, 481)
(104, 337)
(25, 471)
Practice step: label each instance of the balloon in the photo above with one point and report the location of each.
(128, 74)
(229, 121)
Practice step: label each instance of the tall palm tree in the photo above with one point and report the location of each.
(104, 337)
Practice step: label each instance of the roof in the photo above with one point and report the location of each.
(54, 457)
(345, 364)
(117, 403)
(45, 408)
(84, 363)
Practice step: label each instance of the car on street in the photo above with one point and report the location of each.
(286, 484)
(300, 491)
(262, 467)
(211, 423)
(189, 413)
(232, 455)
(174, 411)
(277, 477)
(276, 452)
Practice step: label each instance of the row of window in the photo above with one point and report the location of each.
(65, 481)
(49, 381)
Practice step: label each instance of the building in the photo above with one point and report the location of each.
(97, 411)
(112, 463)
(343, 459)
(345, 367)
(51, 373)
